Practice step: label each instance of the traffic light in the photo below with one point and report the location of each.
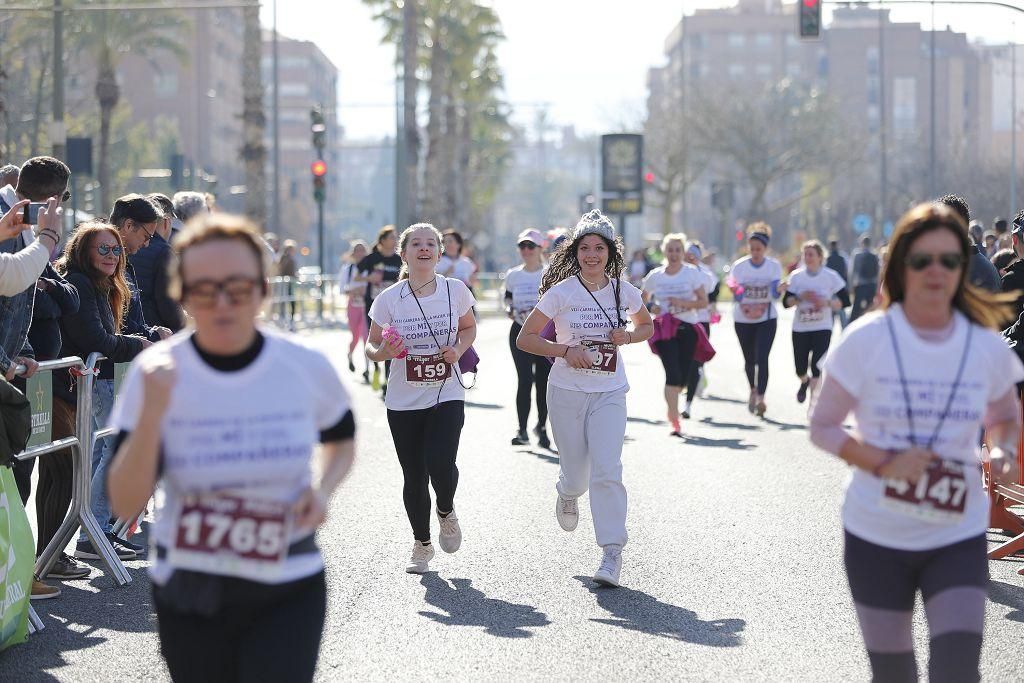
(649, 178)
(810, 18)
(319, 168)
(318, 128)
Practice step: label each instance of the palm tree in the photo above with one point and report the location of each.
(254, 151)
(109, 35)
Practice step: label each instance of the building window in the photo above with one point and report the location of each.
(872, 60)
(737, 40)
(793, 69)
(763, 70)
(294, 63)
(904, 104)
(697, 41)
(295, 89)
(763, 40)
(165, 84)
(737, 70)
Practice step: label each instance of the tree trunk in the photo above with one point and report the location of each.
(411, 83)
(451, 141)
(433, 198)
(253, 152)
(44, 59)
(108, 93)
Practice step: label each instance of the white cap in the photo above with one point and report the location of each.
(531, 235)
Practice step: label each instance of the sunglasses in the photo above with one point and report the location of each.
(527, 245)
(106, 250)
(950, 260)
(204, 293)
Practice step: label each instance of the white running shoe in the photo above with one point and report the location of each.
(567, 512)
(611, 565)
(702, 390)
(421, 556)
(450, 536)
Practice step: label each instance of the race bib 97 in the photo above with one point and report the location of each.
(604, 358)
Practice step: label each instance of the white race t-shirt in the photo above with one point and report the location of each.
(577, 319)
(462, 268)
(864, 364)
(682, 285)
(704, 314)
(524, 286)
(396, 306)
(249, 434)
(759, 283)
(356, 291)
(826, 283)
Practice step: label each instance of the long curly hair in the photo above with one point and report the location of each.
(77, 252)
(564, 263)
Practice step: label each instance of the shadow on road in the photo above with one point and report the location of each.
(468, 606)
(80, 619)
(722, 399)
(484, 406)
(635, 610)
(784, 426)
(1009, 595)
(644, 420)
(731, 444)
(710, 421)
(546, 456)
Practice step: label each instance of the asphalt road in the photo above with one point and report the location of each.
(733, 570)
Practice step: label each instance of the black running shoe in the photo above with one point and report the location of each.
(521, 438)
(801, 395)
(542, 437)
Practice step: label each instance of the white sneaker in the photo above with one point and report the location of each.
(450, 536)
(421, 556)
(567, 512)
(611, 565)
(702, 390)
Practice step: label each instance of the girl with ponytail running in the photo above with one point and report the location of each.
(423, 324)
(755, 284)
(678, 290)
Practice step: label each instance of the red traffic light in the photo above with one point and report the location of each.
(648, 177)
(319, 168)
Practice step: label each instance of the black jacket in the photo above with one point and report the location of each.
(134, 320)
(91, 329)
(60, 298)
(15, 422)
(151, 274)
(981, 272)
(1012, 281)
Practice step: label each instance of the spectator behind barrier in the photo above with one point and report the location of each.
(136, 218)
(188, 205)
(151, 264)
(9, 175)
(95, 261)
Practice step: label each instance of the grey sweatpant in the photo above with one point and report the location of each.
(589, 430)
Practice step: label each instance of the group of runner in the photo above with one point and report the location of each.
(238, 579)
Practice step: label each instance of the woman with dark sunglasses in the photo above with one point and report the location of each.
(225, 418)
(94, 262)
(921, 376)
(522, 287)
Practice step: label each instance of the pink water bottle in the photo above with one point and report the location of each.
(390, 334)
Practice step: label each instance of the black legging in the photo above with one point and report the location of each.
(694, 379)
(56, 476)
(756, 340)
(263, 632)
(952, 579)
(676, 355)
(532, 370)
(811, 345)
(863, 297)
(427, 441)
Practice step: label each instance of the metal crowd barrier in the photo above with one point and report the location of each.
(81, 445)
(316, 301)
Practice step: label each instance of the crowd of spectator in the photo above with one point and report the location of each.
(101, 288)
